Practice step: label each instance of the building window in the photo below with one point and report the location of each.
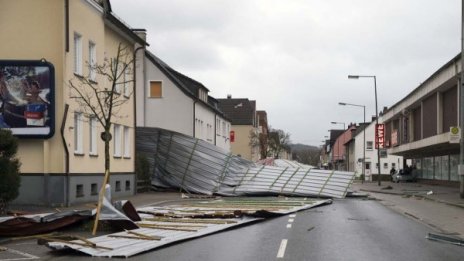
(203, 95)
(77, 54)
(117, 140)
(93, 136)
(218, 126)
(118, 186)
(78, 135)
(385, 165)
(369, 145)
(127, 81)
(127, 185)
(393, 165)
(127, 143)
(223, 128)
(156, 90)
(93, 189)
(79, 191)
(92, 61)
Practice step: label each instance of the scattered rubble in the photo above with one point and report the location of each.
(165, 225)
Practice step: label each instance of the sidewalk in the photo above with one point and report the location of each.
(442, 194)
(139, 200)
(439, 207)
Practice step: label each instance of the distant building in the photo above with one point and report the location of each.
(242, 114)
(371, 161)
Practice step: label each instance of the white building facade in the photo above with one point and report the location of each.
(371, 162)
(173, 101)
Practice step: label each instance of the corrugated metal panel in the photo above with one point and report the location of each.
(165, 223)
(197, 166)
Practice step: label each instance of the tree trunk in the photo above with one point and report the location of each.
(107, 150)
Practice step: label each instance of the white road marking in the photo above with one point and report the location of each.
(293, 215)
(26, 256)
(289, 225)
(282, 247)
(290, 220)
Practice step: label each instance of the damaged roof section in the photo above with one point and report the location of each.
(195, 166)
(160, 226)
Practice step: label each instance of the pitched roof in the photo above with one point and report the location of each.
(186, 84)
(240, 111)
(117, 22)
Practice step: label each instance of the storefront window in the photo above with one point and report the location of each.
(427, 171)
(437, 168)
(418, 163)
(445, 167)
(453, 167)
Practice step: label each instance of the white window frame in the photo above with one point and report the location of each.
(78, 134)
(369, 145)
(92, 61)
(127, 142)
(93, 136)
(78, 54)
(117, 141)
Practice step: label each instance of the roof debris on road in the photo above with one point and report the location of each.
(196, 166)
(160, 226)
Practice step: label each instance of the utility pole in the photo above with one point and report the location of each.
(461, 109)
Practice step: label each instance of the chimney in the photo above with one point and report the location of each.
(142, 33)
(229, 96)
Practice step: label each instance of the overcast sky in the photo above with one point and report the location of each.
(293, 56)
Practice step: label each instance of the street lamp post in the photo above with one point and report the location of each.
(364, 137)
(376, 116)
(338, 149)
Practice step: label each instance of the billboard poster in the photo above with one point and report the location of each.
(27, 102)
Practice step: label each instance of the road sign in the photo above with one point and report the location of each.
(455, 135)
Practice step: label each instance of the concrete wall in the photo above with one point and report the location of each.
(43, 190)
(429, 119)
(241, 145)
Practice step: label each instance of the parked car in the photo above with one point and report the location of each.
(404, 175)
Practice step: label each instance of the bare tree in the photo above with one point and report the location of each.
(279, 141)
(260, 140)
(103, 101)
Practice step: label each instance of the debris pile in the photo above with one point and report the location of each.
(160, 226)
(196, 166)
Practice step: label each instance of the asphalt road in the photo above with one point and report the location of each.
(348, 229)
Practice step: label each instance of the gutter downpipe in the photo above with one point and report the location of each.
(66, 24)
(215, 128)
(194, 117)
(66, 152)
(134, 94)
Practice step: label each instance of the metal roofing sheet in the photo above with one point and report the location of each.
(196, 166)
(165, 225)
